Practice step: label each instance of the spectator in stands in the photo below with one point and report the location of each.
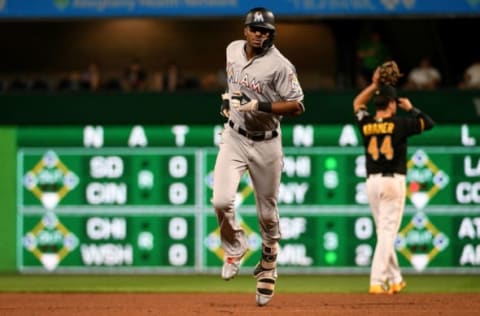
(371, 53)
(424, 77)
(172, 77)
(72, 83)
(18, 84)
(135, 76)
(471, 76)
(157, 81)
(169, 79)
(38, 84)
(214, 81)
(91, 77)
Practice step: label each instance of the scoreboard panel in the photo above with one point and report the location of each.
(137, 198)
(100, 241)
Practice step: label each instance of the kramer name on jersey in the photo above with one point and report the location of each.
(378, 128)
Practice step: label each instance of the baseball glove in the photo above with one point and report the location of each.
(389, 73)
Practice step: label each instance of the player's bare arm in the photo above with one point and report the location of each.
(293, 108)
(360, 102)
(404, 104)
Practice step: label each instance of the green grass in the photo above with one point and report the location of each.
(242, 284)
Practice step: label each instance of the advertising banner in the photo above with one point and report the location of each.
(220, 8)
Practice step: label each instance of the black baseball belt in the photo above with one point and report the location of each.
(256, 136)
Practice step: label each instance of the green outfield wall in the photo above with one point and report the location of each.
(323, 107)
(85, 130)
(137, 198)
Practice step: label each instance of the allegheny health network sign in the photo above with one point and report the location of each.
(21, 9)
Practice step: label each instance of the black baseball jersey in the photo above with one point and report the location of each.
(385, 141)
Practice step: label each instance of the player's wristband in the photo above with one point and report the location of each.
(226, 104)
(415, 111)
(265, 107)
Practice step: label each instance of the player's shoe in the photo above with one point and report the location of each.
(266, 279)
(231, 267)
(378, 289)
(397, 287)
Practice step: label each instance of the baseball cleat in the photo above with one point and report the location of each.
(231, 267)
(378, 289)
(263, 300)
(266, 280)
(397, 287)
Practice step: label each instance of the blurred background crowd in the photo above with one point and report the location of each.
(175, 54)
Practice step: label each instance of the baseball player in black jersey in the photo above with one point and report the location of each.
(385, 142)
(262, 87)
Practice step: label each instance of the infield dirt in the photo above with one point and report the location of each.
(120, 304)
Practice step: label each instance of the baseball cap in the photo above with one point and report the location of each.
(386, 91)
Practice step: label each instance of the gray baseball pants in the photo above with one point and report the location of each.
(264, 162)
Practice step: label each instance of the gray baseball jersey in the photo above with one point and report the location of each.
(267, 78)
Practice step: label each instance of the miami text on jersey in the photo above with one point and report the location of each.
(234, 77)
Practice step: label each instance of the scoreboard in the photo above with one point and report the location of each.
(137, 198)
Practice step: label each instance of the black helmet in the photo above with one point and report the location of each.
(261, 17)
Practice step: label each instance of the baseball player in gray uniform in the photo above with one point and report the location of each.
(262, 87)
(385, 138)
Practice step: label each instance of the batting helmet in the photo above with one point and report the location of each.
(264, 18)
(260, 17)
